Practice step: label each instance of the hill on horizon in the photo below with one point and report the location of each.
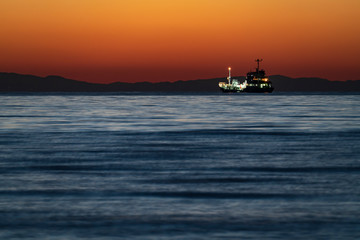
(13, 82)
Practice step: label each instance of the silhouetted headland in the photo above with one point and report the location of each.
(13, 82)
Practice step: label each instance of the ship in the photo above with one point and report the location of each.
(255, 82)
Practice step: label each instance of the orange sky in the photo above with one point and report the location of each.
(163, 40)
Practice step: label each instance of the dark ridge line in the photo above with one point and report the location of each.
(13, 82)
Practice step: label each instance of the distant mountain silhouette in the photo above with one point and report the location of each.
(13, 82)
(287, 84)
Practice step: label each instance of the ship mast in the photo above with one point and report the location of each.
(258, 64)
(229, 78)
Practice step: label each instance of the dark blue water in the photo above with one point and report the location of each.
(136, 166)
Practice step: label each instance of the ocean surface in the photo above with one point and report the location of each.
(180, 166)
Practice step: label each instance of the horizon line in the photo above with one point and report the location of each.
(180, 80)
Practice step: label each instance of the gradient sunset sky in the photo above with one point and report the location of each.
(167, 40)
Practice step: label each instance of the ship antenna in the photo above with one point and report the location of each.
(258, 64)
(229, 78)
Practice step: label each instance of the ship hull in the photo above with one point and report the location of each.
(248, 90)
(230, 90)
(258, 90)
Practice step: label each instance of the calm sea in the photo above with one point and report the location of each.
(180, 166)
